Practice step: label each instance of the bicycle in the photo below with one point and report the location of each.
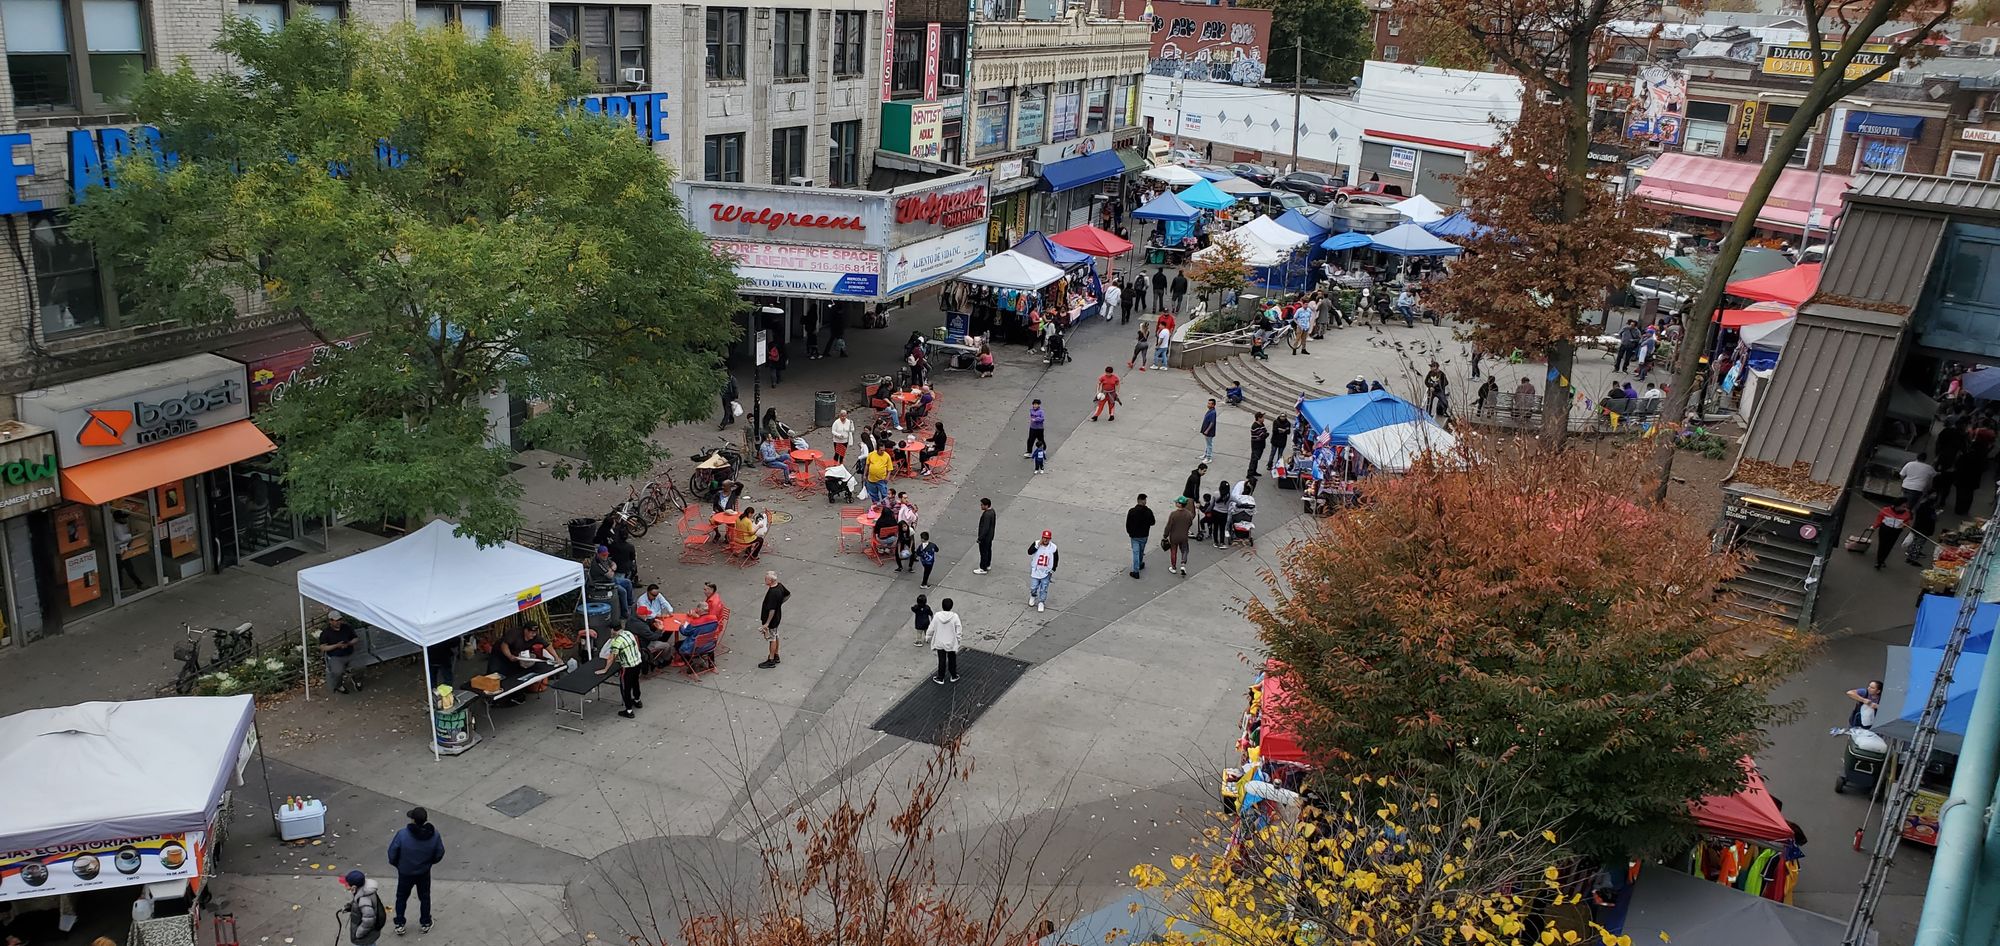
(658, 495)
(231, 648)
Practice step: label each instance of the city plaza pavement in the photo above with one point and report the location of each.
(1103, 754)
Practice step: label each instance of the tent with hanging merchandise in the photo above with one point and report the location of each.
(1342, 416)
(1091, 240)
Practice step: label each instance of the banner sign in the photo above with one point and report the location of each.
(69, 868)
(912, 266)
(1796, 59)
(791, 268)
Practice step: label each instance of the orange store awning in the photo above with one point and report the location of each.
(115, 477)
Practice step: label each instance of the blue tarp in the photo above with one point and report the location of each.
(1347, 241)
(1937, 613)
(1958, 699)
(1455, 227)
(1410, 240)
(1166, 207)
(1205, 196)
(1349, 414)
(1293, 220)
(1049, 251)
(1088, 169)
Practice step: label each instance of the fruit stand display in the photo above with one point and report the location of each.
(1954, 549)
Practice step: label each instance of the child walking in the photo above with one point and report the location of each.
(922, 611)
(927, 552)
(1041, 454)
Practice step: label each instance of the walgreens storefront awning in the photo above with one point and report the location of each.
(1714, 188)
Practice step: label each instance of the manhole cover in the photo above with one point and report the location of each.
(779, 518)
(518, 802)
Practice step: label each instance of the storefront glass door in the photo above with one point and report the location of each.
(155, 538)
(263, 521)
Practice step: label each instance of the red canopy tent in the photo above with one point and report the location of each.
(1737, 318)
(1789, 286)
(1749, 814)
(1280, 739)
(1089, 239)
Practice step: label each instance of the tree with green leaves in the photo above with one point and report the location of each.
(1330, 38)
(447, 205)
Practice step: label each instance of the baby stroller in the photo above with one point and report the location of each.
(1058, 350)
(840, 485)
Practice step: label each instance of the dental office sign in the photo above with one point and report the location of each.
(94, 152)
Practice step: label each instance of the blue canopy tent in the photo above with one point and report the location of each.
(1349, 240)
(1937, 613)
(1083, 169)
(1918, 668)
(1411, 240)
(1458, 226)
(1345, 415)
(1205, 196)
(1168, 207)
(1294, 220)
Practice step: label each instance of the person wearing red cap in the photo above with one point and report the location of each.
(1042, 562)
(363, 909)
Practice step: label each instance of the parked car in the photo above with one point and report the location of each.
(1291, 201)
(1652, 287)
(1254, 173)
(1370, 189)
(1312, 185)
(1184, 157)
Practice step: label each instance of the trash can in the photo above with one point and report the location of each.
(582, 537)
(1861, 764)
(824, 407)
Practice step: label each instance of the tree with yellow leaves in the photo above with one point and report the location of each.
(1378, 863)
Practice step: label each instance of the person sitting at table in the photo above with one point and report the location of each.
(936, 446)
(767, 454)
(905, 511)
(985, 362)
(656, 644)
(885, 530)
(919, 405)
(711, 601)
(890, 417)
(744, 533)
(653, 604)
(603, 571)
(729, 497)
(519, 651)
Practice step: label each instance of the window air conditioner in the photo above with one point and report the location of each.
(633, 76)
(1989, 46)
(951, 80)
(801, 182)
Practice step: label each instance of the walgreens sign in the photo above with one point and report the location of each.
(771, 219)
(945, 210)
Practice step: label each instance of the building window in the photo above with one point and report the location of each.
(1067, 106)
(1029, 118)
(1395, 26)
(610, 42)
(907, 78)
(1705, 138)
(1800, 154)
(1391, 53)
(1119, 97)
(1880, 154)
(69, 285)
(791, 31)
(1965, 164)
(951, 56)
(55, 66)
(1778, 116)
(1097, 106)
(725, 43)
(476, 19)
(722, 158)
(273, 14)
(843, 167)
(989, 122)
(850, 30)
(788, 155)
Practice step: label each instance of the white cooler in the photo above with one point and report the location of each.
(302, 821)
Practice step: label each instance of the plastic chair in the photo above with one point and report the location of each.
(853, 512)
(738, 553)
(697, 648)
(802, 482)
(698, 547)
(857, 530)
(693, 519)
(777, 478)
(938, 466)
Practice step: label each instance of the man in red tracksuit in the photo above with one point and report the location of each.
(1107, 393)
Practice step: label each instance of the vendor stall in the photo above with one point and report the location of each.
(1271, 766)
(1014, 293)
(1666, 905)
(1394, 448)
(1325, 462)
(1410, 240)
(1206, 196)
(1172, 236)
(1173, 175)
(1419, 209)
(433, 586)
(133, 794)
(1082, 287)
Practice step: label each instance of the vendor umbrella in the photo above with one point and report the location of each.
(1789, 286)
(1089, 239)
(1737, 318)
(1349, 240)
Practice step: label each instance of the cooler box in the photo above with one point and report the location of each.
(305, 821)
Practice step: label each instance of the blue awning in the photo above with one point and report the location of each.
(1879, 125)
(1088, 169)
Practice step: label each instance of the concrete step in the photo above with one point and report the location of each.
(1215, 378)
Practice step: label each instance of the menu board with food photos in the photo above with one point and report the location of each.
(68, 868)
(81, 578)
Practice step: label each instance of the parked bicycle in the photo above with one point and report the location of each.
(657, 497)
(232, 647)
(713, 467)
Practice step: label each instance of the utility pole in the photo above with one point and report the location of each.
(1179, 107)
(1298, 92)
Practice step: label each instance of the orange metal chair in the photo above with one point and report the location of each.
(938, 466)
(697, 547)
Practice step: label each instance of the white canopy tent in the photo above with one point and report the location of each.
(1174, 175)
(1240, 187)
(1394, 448)
(432, 585)
(1273, 233)
(1256, 252)
(1419, 209)
(1011, 270)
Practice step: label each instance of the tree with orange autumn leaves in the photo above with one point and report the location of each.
(1512, 610)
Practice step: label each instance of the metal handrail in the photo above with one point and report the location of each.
(1240, 336)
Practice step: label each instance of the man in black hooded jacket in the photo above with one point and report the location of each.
(413, 852)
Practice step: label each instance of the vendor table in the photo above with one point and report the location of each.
(468, 699)
(580, 683)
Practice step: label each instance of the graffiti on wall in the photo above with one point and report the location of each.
(1198, 41)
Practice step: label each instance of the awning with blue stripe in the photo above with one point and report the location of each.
(1878, 125)
(1078, 171)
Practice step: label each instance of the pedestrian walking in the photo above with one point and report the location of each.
(1889, 525)
(1036, 421)
(1302, 326)
(989, 521)
(771, 614)
(1160, 342)
(1192, 487)
(1140, 342)
(1281, 434)
(1042, 562)
(1107, 393)
(1136, 290)
(1041, 454)
(1159, 288)
(1114, 297)
(621, 654)
(775, 360)
(728, 403)
(1208, 432)
(927, 552)
(946, 632)
(413, 852)
(842, 434)
(1923, 525)
(1180, 289)
(1260, 437)
(1127, 300)
(363, 910)
(1174, 535)
(920, 615)
(1917, 476)
(1138, 527)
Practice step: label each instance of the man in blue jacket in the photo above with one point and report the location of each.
(412, 852)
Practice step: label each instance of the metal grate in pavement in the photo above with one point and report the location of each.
(279, 556)
(518, 802)
(938, 714)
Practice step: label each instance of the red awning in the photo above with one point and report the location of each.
(1789, 286)
(1280, 742)
(1749, 814)
(1737, 318)
(1089, 239)
(1714, 188)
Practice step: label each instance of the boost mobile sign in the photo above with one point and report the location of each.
(111, 424)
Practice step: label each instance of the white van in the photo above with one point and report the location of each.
(1668, 243)
(1158, 151)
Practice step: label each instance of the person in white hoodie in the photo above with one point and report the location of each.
(842, 432)
(944, 633)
